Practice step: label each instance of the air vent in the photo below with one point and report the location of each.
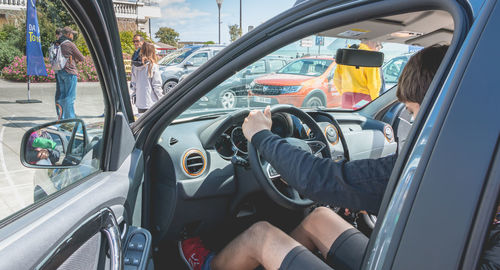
(332, 134)
(173, 141)
(388, 133)
(193, 162)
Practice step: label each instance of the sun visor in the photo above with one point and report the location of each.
(359, 58)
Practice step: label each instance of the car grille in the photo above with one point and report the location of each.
(270, 90)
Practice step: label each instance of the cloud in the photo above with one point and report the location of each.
(182, 12)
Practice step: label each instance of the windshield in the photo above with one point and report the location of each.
(305, 74)
(307, 67)
(175, 57)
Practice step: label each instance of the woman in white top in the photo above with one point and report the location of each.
(146, 79)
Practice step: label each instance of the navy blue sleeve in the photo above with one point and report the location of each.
(358, 184)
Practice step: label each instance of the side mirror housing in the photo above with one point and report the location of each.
(188, 64)
(60, 144)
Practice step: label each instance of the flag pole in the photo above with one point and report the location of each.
(29, 81)
(33, 49)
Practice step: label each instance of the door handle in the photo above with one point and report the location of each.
(112, 232)
(104, 222)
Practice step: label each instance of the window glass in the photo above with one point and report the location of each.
(199, 59)
(307, 77)
(276, 64)
(49, 94)
(258, 67)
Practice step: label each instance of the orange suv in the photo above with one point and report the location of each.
(305, 82)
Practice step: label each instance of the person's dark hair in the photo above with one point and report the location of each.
(140, 37)
(59, 31)
(418, 73)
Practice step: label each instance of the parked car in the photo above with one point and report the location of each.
(234, 91)
(306, 82)
(392, 69)
(186, 62)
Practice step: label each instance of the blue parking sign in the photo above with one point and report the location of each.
(320, 41)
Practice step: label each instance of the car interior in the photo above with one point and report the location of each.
(206, 180)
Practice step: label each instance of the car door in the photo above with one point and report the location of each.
(81, 224)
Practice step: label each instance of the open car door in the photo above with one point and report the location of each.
(76, 212)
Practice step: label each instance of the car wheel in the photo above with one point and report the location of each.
(313, 101)
(227, 99)
(168, 86)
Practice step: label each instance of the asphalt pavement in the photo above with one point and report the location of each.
(16, 181)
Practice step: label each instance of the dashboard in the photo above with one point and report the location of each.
(203, 163)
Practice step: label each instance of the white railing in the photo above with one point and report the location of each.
(126, 8)
(123, 9)
(14, 3)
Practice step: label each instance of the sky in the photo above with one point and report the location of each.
(196, 20)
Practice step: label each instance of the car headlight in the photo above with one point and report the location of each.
(290, 89)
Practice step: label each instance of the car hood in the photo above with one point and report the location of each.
(283, 79)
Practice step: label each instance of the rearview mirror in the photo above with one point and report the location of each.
(188, 64)
(359, 58)
(60, 144)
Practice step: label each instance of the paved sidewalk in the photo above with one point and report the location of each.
(16, 181)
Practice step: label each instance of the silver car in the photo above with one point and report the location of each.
(186, 62)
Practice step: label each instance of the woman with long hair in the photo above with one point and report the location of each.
(146, 79)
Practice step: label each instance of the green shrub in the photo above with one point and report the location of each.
(7, 54)
(16, 71)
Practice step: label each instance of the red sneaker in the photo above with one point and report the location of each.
(193, 252)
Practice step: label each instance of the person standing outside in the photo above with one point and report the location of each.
(358, 85)
(67, 77)
(138, 42)
(52, 55)
(146, 79)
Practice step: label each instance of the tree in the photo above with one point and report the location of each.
(167, 35)
(209, 42)
(234, 32)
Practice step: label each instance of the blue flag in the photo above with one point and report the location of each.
(34, 55)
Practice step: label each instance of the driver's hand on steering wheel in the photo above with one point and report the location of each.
(257, 121)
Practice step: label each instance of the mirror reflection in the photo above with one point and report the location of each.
(56, 145)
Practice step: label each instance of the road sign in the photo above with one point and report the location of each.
(306, 42)
(320, 41)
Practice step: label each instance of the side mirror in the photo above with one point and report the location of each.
(189, 64)
(60, 144)
(359, 58)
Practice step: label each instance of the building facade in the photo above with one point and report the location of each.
(131, 14)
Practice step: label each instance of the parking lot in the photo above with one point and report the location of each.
(16, 192)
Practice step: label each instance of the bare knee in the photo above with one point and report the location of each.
(258, 231)
(316, 215)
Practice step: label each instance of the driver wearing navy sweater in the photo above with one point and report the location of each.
(358, 184)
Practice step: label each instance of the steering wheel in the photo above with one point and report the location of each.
(270, 179)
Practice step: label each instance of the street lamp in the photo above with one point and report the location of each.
(219, 4)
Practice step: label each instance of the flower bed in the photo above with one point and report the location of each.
(16, 71)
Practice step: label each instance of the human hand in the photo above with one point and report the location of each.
(257, 121)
